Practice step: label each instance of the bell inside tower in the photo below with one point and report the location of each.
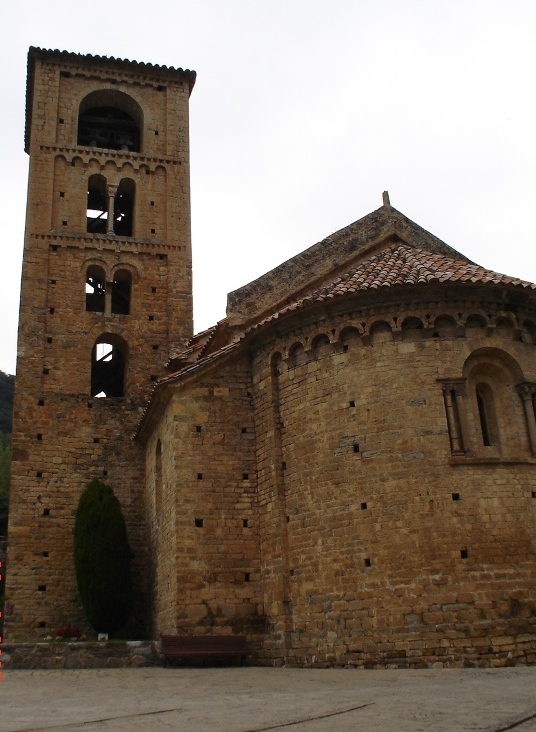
(109, 128)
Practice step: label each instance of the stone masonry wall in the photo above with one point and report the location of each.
(378, 545)
(205, 536)
(53, 465)
(130, 654)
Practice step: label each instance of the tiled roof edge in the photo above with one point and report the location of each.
(332, 251)
(193, 342)
(476, 275)
(190, 368)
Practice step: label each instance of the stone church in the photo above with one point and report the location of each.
(343, 469)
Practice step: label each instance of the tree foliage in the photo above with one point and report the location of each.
(7, 387)
(5, 459)
(102, 558)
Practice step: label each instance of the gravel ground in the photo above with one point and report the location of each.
(261, 699)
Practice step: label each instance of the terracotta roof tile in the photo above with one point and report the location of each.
(195, 346)
(399, 265)
(202, 361)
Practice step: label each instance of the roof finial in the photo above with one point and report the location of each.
(385, 196)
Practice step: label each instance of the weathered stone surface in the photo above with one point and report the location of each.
(80, 655)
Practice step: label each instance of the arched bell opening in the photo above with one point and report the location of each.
(108, 366)
(124, 208)
(121, 290)
(95, 289)
(110, 120)
(97, 205)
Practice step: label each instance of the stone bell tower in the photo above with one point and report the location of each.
(106, 295)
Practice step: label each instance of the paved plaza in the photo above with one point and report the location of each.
(262, 699)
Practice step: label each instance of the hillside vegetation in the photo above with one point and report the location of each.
(7, 386)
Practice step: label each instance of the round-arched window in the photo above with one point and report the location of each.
(110, 119)
(108, 363)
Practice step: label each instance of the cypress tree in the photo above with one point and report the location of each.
(102, 558)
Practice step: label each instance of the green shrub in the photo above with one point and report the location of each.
(5, 459)
(102, 558)
(7, 387)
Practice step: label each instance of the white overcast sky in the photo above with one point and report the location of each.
(302, 114)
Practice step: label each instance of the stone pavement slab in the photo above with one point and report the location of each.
(262, 699)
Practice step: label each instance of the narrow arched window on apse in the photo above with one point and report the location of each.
(124, 208)
(97, 205)
(95, 289)
(121, 290)
(108, 362)
(487, 415)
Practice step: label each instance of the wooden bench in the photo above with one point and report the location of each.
(204, 646)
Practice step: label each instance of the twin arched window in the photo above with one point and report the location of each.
(119, 289)
(110, 211)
